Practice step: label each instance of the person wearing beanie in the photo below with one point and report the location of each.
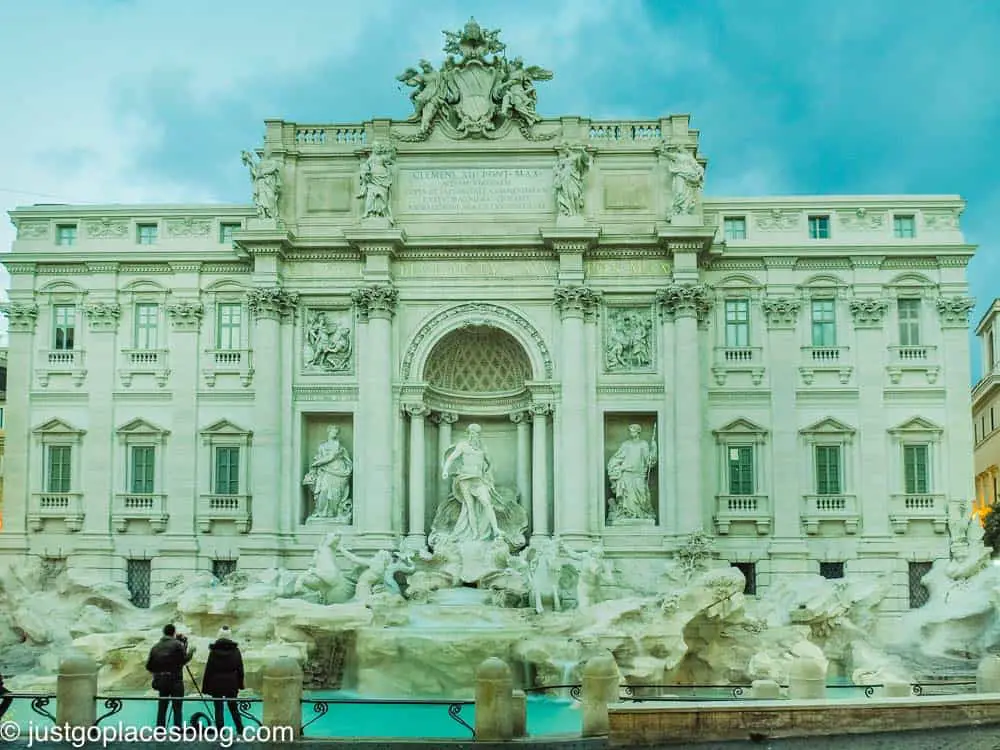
(223, 677)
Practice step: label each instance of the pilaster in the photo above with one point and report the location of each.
(959, 466)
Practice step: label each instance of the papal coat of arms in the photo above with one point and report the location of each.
(477, 91)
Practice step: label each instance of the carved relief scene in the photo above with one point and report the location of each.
(328, 345)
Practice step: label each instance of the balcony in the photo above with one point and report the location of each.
(838, 508)
(922, 360)
(215, 508)
(825, 360)
(140, 507)
(730, 509)
(747, 360)
(58, 506)
(144, 362)
(61, 362)
(227, 362)
(904, 508)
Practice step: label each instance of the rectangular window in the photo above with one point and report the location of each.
(137, 578)
(735, 227)
(141, 470)
(741, 470)
(908, 311)
(829, 472)
(146, 319)
(918, 592)
(915, 469)
(146, 234)
(63, 327)
(993, 424)
(737, 323)
(824, 323)
(1, 417)
(904, 227)
(749, 571)
(831, 569)
(819, 227)
(226, 231)
(227, 470)
(222, 569)
(57, 473)
(229, 324)
(66, 234)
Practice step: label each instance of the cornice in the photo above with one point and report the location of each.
(125, 212)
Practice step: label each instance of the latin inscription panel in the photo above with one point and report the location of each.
(486, 269)
(475, 191)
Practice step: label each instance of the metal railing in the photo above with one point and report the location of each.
(114, 704)
(320, 707)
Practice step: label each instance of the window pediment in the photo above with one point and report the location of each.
(916, 427)
(57, 427)
(828, 427)
(740, 428)
(140, 429)
(224, 430)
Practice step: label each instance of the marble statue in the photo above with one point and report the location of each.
(628, 471)
(594, 571)
(687, 177)
(544, 569)
(567, 179)
(376, 181)
(474, 488)
(372, 579)
(477, 91)
(324, 582)
(328, 344)
(628, 341)
(265, 172)
(329, 477)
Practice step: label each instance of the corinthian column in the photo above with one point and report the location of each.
(571, 510)
(540, 469)
(376, 305)
(686, 304)
(522, 419)
(269, 306)
(418, 480)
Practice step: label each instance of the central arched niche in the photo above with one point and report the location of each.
(477, 362)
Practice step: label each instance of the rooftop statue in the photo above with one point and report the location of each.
(477, 91)
(265, 172)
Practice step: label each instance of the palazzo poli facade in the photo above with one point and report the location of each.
(202, 387)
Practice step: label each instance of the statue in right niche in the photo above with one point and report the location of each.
(628, 472)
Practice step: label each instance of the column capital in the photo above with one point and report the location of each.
(103, 316)
(541, 409)
(686, 300)
(781, 312)
(186, 315)
(520, 417)
(21, 316)
(416, 409)
(444, 417)
(576, 301)
(868, 312)
(954, 311)
(273, 303)
(376, 301)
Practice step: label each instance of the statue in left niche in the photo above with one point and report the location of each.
(265, 171)
(376, 180)
(329, 477)
(328, 344)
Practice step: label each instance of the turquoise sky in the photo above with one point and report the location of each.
(132, 100)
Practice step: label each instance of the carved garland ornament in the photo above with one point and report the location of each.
(188, 227)
(186, 315)
(477, 313)
(686, 300)
(781, 312)
(106, 229)
(379, 300)
(20, 317)
(272, 302)
(578, 300)
(955, 311)
(868, 312)
(103, 316)
(32, 230)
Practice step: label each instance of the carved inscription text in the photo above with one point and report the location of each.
(475, 191)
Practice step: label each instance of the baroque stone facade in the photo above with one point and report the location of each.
(787, 374)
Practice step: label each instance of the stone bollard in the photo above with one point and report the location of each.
(765, 690)
(896, 689)
(281, 694)
(806, 678)
(600, 687)
(494, 701)
(988, 675)
(519, 714)
(76, 691)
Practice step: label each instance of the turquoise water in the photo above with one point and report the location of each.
(350, 719)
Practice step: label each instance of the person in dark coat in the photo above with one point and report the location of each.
(166, 662)
(224, 676)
